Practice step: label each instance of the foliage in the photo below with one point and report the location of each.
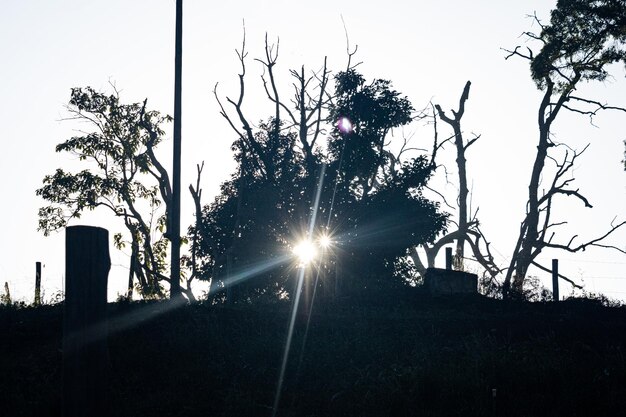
(595, 298)
(371, 204)
(583, 37)
(123, 162)
(248, 219)
(379, 203)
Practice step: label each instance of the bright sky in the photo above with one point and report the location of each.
(428, 49)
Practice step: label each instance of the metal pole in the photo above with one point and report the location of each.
(175, 207)
(555, 279)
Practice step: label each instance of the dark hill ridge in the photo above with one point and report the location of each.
(394, 354)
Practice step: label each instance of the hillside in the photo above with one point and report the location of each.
(392, 354)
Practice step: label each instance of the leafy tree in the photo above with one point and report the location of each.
(248, 224)
(581, 41)
(379, 196)
(369, 202)
(121, 150)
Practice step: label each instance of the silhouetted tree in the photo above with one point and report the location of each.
(582, 39)
(464, 229)
(371, 204)
(379, 201)
(123, 161)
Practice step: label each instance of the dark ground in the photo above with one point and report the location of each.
(396, 354)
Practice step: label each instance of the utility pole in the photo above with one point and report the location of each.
(175, 206)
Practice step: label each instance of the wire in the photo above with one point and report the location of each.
(594, 262)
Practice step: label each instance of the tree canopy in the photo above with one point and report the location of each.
(124, 176)
(370, 203)
(583, 37)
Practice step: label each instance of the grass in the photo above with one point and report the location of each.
(392, 354)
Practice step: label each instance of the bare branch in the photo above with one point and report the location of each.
(563, 277)
(516, 52)
(348, 51)
(594, 242)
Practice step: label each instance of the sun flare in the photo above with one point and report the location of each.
(345, 125)
(325, 241)
(305, 251)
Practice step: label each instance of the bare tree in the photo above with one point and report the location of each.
(582, 39)
(304, 112)
(467, 226)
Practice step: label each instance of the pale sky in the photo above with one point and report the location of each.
(428, 49)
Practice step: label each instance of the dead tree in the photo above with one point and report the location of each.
(580, 41)
(467, 230)
(304, 112)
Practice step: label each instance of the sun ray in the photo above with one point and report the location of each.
(294, 307)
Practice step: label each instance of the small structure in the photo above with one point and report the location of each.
(439, 281)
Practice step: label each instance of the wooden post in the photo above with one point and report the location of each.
(85, 356)
(449, 258)
(37, 283)
(555, 279)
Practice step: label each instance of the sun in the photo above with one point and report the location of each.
(305, 251)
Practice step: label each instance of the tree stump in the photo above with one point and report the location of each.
(85, 355)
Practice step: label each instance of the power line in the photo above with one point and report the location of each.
(605, 277)
(594, 262)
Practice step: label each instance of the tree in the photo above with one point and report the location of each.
(371, 204)
(466, 228)
(379, 195)
(581, 41)
(121, 150)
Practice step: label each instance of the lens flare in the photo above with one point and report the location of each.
(325, 241)
(344, 125)
(305, 251)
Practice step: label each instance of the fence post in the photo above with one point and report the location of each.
(555, 279)
(85, 356)
(448, 258)
(37, 283)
